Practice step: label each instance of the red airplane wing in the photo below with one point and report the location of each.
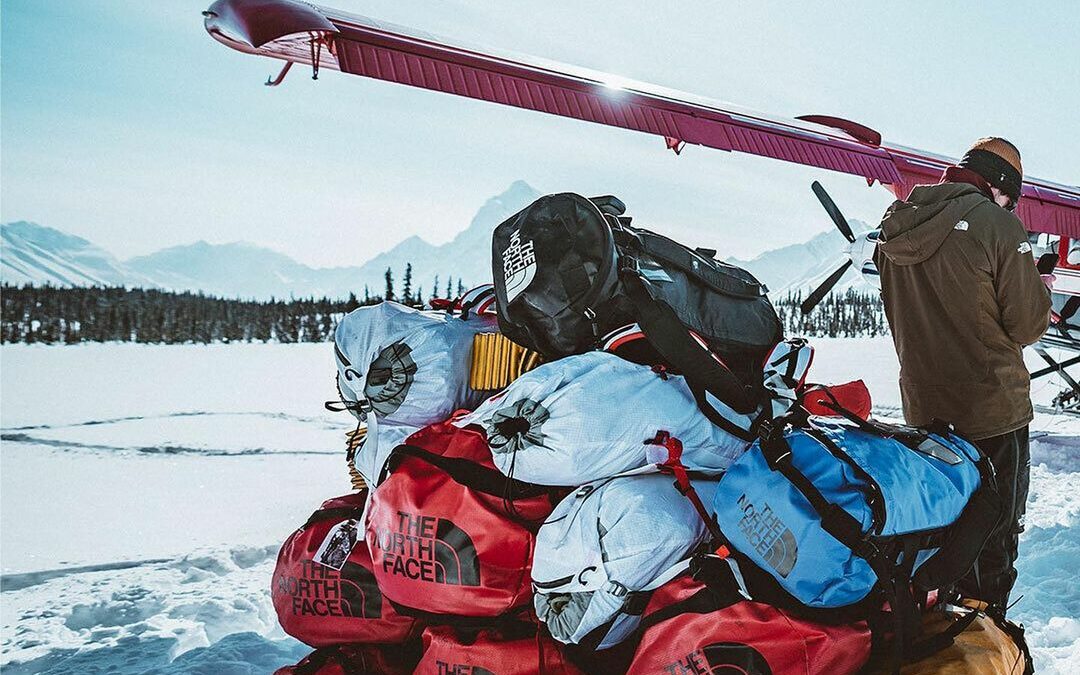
(299, 32)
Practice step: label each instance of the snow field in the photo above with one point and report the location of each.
(145, 491)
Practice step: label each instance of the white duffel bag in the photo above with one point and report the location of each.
(408, 367)
(604, 548)
(587, 417)
(381, 439)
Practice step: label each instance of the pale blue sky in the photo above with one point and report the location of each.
(125, 123)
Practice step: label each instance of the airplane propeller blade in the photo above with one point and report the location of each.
(821, 291)
(833, 211)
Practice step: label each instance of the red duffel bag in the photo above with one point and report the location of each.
(823, 399)
(514, 650)
(691, 627)
(451, 537)
(323, 588)
(355, 660)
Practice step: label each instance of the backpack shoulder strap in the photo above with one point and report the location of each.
(666, 333)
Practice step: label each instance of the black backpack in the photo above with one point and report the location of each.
(569, 270)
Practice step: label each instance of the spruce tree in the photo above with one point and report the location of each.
(406, 286)
(389, 294)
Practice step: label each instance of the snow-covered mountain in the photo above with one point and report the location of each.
(804, 266)
(467, 256)
(36, 254)
(242, 270)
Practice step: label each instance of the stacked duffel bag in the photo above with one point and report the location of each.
(434, 555)
(583, 516)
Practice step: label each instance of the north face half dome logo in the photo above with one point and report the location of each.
(721, 658)
(319, 590)
(519, 266)
(769, 536)
(428, 549)
(360, 594)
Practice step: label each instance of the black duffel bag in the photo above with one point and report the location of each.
(569, 269)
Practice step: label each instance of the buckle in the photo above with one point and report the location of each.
(615, 588)
(867, 550)
(766, 429)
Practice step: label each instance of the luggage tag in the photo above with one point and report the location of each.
(338, 544)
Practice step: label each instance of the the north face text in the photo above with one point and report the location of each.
(445, 668)
(321, 591)
(768, 535)
(519, 265)
(720, 657)
(430, 549)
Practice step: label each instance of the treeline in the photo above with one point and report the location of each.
(848, 314)
(52, 315)
(60, 315)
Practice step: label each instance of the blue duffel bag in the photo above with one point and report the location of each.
(847, 515)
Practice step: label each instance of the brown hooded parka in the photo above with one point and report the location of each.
(962, 296)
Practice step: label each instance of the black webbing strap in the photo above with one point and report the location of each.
(467, 473)
(877, 502)
(929, 646)
(909, 436)
(693, 264)
(714, 416)
(666, 333)
(336, 513)
(703, 601)
(840, 524)
(964, 540)
(513, 621)
(314, 661)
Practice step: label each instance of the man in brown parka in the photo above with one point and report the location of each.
(963, 297)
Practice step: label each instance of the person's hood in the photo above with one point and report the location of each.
(915, 229)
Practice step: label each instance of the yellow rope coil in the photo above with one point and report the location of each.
(496, 362)
(353, 440)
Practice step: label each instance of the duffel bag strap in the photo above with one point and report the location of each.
(467, 473)
(840, 524)
(673, 466)
(340, 513)
(667, 334)
(964, 540)
(929, 646)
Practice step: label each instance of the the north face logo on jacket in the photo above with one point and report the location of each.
(720, 658)
(323, 591)
(768, 535)
(429, 549)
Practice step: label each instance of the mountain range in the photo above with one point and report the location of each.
(36, 254)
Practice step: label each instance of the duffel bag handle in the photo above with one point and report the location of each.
(467, 473)
(673, 466)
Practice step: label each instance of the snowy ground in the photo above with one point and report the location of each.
(144, 491)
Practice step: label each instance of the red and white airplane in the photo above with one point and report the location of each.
(298, 32)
